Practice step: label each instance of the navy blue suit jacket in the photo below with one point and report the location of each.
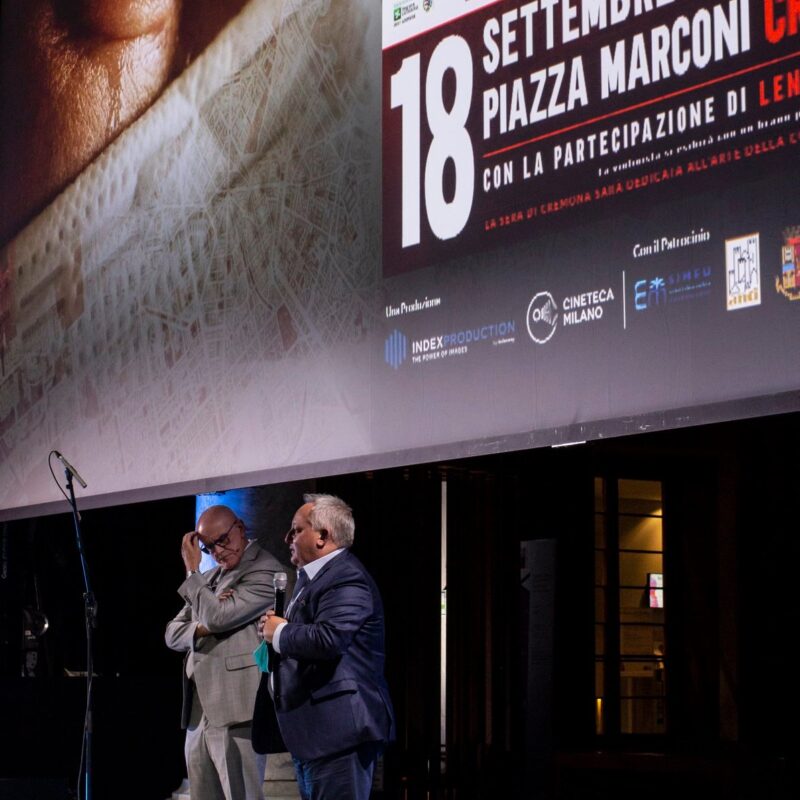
(330, 690)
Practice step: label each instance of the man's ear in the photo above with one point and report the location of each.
(324, 536)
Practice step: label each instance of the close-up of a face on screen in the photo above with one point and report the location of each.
(78, 72)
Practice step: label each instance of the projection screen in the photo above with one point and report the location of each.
(355, 235)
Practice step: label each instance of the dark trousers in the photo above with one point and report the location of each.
(342, 776)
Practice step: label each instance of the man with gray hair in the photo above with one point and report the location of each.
(330, 694)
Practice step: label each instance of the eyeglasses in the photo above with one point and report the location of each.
(220, 541)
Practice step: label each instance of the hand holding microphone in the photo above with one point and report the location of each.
(279, 583)
(274, 617)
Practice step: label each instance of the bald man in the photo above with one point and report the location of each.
(217, 629)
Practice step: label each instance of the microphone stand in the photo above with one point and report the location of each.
(90, 614)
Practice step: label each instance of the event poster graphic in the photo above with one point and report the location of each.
(504, 119)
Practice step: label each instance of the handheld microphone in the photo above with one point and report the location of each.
(69, 468)
(279, 583)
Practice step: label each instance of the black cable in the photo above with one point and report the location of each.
(50, 466)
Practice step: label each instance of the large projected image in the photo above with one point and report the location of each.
(351, 235)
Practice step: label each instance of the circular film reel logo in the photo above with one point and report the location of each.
(542, 317)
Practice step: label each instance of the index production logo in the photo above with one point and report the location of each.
(743, 271)
(395, 349)
(542, 317)
(441, 346)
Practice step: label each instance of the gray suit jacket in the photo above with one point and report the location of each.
(221, 664)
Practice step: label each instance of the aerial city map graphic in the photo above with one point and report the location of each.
(151, 318)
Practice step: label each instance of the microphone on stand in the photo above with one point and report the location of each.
(279, 584)
(69, 468)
